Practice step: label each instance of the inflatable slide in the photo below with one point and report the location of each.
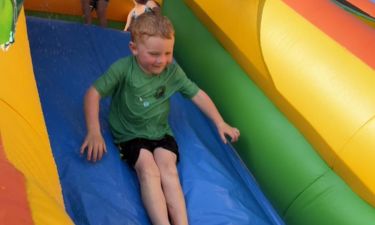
(300, 93)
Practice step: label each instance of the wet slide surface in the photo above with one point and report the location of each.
(67, 58)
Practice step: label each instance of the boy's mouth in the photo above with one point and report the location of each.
(158, 67)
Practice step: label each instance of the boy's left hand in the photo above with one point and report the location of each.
(224, 129)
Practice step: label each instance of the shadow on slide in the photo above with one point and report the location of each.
(67, 58)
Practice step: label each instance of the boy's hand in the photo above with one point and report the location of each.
(95, 146)
(225, 129)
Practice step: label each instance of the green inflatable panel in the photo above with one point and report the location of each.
(9, 11)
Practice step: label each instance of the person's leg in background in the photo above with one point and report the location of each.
(101, 12)
(86, 10)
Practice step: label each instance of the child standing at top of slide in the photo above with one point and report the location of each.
(140, 6)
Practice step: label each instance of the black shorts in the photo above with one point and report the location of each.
(94, 3)
(130, 150)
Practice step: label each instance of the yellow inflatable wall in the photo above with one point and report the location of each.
(24, 137)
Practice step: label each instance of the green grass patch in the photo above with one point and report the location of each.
(71, 18)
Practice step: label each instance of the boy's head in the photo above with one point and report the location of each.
(151, 25)
(152, 42)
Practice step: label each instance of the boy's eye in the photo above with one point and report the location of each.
(154, 53)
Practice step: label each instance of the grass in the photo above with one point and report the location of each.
(111, 24)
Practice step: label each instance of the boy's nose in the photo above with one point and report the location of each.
(161, 59)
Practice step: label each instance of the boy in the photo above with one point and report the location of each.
(140, 86)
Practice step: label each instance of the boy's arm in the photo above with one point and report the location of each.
(94, 142)
(204, 102)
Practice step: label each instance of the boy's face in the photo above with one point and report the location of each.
(153, 54)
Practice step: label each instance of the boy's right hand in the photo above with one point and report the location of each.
(95, 146)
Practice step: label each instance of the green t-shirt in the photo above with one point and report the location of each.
(140, 102)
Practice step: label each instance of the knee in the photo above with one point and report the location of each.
(168, 170)
(147, 172)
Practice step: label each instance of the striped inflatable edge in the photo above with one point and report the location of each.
(364, 10)
(30, 191)
(304, 58)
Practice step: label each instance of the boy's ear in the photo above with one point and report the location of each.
(133, 48)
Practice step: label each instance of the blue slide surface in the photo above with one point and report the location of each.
(67, 58)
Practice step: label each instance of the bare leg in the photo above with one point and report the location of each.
(86, 10)
(151, 190)
(101, 12)
(166, 161)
